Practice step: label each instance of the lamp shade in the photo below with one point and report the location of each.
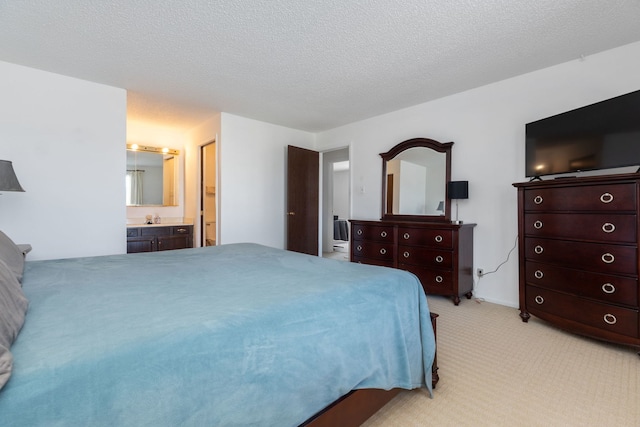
(458, 190)
(8, 179)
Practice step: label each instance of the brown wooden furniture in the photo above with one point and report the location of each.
(159, 238)
(354, 408)
(440, 254)
(377, 242)
(579, 255)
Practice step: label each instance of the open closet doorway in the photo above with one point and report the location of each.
(336, 203)
(208, 214)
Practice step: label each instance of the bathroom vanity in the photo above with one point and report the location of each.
(159, 237)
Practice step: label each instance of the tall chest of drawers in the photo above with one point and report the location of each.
(439, 254)
(578, 245)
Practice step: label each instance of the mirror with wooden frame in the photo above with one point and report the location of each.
(415, 174)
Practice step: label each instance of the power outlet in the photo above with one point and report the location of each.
(480, 272)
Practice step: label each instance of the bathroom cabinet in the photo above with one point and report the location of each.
(151, 238)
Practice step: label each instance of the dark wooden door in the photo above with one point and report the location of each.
(302, 200)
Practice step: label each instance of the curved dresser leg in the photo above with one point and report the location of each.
(468, 295)
(524, 316)
(456, 300)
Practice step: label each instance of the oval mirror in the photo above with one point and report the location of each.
(415, 174)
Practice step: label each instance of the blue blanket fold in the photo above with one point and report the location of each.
(232, 335)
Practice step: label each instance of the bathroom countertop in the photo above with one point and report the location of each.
(164, 224)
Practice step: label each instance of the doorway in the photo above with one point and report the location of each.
(336, 204)
(208, 214)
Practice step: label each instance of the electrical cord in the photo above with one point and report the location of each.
(477, 283)
(515, 244)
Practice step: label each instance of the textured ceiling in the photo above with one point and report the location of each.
(311, 65)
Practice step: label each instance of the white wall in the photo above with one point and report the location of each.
(487, 125)
(66, 139)
(341, 194)
(252, 182)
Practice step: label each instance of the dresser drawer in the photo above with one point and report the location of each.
(603, 258)
(133, 232)
(425, 237)
(606, 227)
(417, 255)
(181, 229)
(603, 287)
(610, 318)
(375, 250)
(606, 197)
(433, 281)
(155, 231)
(378, 233)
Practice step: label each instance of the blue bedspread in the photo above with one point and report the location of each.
(229, 335)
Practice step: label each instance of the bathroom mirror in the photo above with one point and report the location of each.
(415, 174)
(151, 176)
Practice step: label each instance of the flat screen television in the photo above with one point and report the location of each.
(604, 135)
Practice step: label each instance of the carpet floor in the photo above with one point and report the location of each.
(496, 370)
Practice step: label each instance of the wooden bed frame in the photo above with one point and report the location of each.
(354, 408)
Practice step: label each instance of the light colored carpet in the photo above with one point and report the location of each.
(496, 370)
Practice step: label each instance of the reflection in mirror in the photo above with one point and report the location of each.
(151, 178)
(415, 176)
(415, 182)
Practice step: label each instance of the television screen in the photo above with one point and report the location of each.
(604, 135)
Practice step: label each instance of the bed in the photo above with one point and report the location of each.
(238, 334)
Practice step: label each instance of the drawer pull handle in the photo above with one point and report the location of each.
(609, 319)
(439, 258)
(438, 238)
(383, 251)
(359, 248)
(406, 236)
(537, 200)
(606, 198)
(608, 288)
(181, 230)
(439, 279)
(406, 254)
(538, 299)
(538, 249)
(539, 274)
(359, 232)
(608, 258)
(383, 234)
(607, 227)
(537, 225)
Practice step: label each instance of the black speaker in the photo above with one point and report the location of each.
(458, 190)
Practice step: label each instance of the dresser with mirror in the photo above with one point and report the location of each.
(415, 232)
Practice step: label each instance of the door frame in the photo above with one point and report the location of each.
(202, 191)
